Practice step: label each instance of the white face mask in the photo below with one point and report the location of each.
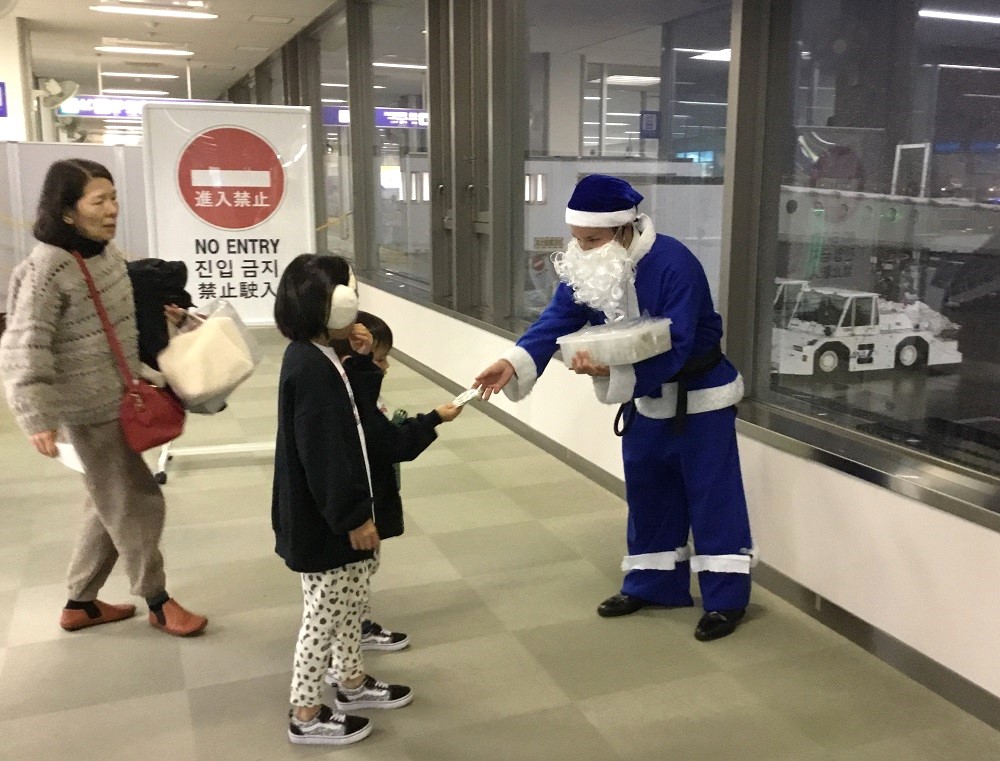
(598, 277)
(343, 305)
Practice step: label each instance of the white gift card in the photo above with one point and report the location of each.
(466, 396)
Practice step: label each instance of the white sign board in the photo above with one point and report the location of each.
(230, 193)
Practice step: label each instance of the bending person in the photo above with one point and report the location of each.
(682, 470)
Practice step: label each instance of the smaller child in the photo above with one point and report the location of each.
(373, 635)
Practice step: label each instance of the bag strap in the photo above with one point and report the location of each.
(109, 331)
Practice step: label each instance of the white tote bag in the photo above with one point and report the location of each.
(207, 363)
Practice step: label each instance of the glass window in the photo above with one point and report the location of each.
(402, 217)
(885, 273)
(335, 96)
(643, 98)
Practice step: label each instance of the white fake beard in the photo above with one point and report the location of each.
(598, 277)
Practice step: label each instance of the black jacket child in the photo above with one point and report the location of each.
(320, 488)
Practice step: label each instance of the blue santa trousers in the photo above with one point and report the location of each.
(684, 482)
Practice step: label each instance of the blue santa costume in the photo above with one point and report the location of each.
(681, 476)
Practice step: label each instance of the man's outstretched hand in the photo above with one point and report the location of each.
(491, 380)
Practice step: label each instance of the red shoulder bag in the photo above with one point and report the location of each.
(150, 416)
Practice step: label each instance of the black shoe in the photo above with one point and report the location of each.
(717, 624)
(620, 604)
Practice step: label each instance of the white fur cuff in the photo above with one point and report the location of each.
(525, 373)
(617, 389)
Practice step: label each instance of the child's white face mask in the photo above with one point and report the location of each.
(343, 305)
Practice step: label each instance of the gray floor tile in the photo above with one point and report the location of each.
(434, 614)
(497, 548)
(156, 728)
(462, 510)
(540, 595)
(572, 495)
(441, 479)
(597, 656)
(557, 733)
(128, 659)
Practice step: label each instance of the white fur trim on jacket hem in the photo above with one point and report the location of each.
(600, 218)
(722, 563)
(617, 389)
(656, 561)
(700, 400)
(525, 373)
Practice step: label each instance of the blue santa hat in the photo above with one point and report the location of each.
(600, 200)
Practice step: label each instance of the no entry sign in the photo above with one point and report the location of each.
(230, 193)
(231, 178)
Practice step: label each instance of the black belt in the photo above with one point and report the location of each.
(693, 368)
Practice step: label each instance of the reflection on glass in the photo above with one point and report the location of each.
(644, 104)
(403, 204)
(887, 268)
(337, 137)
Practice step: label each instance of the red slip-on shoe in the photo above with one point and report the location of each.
(173, 619)
(71, 620)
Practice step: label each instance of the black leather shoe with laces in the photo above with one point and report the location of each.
(717, 624)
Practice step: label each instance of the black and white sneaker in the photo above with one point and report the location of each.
(374, 637)
(328, 728)
(373, 694)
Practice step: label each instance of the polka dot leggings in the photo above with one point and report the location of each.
(333, 603)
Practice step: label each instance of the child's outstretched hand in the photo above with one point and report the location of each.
(360, 339)
(448, 412)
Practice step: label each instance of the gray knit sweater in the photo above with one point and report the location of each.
(55, 360)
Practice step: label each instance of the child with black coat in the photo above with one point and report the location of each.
(331, 506)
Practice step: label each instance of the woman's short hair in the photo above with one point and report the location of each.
(64, 184)
(302, 304)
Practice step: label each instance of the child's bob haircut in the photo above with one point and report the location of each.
(302, 304)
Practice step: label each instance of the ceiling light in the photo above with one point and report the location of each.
(621, 113)
(949, 16)
(700, 103)
(692, 50)
(164, 10)
(979, 95)
(131, 75)
(967, 68)
(400, 65)
(333, 84)
(378, 87)
(628, 79)
(125, 91)
(137, 50)
(591, 97)
(725, 54)
(333, 100)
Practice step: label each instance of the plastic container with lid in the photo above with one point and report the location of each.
(624, 342)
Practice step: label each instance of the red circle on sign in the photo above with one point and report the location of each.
(231, 178)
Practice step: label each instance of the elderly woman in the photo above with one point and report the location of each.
(682, 469)
(61, 377)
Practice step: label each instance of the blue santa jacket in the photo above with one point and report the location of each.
(669, 282)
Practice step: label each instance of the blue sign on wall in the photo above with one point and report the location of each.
(649, 125)
(3, 99)
(400, 118)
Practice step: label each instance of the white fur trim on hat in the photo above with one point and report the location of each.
(600, 218)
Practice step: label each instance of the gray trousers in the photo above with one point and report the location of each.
(122, 515)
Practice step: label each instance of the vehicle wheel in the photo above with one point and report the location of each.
(830, 359)
(911, 354)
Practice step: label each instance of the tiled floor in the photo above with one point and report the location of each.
(506, 554)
